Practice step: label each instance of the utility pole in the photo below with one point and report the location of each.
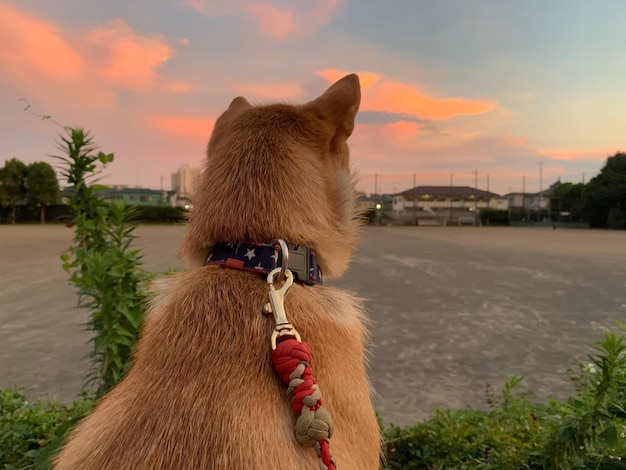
(488, 182)
(523, 192)
(450, 199)
(475, 187)
(414, 201)
(583, 178)
(540, 186)
(376, 184)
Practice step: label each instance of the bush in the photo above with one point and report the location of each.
(30, 433)
(507, 436)
(494, 217)
(616, 219)
(586, 431)
(159, 214)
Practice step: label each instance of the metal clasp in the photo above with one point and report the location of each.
(276, 306)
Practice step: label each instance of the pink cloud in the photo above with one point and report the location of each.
(91, 63)
(399, 131)
(196, 128)
(125, 58)
(366, 79)
(273, 21)
(564, 154)
(382, 94)
(34, 46)
(179, 87)
(279, 19)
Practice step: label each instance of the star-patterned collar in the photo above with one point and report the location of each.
(261, 258)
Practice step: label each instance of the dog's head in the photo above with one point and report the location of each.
(280, 171)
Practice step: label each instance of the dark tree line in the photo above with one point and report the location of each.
(35, 185)
(602, 201)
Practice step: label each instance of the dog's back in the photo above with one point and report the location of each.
(202, 392)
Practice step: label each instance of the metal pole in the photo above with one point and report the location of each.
(524, 193)
(540, 186)
(414, 201)
(475, 187)
(450, 196)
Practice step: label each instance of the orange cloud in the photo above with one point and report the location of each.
(179, 87)
(34, 46)
(280, 20)
(367, 79)
(401, 130)
(40, 55)
(195, 128)
(587, 154)
(381, 94)
(125, 58)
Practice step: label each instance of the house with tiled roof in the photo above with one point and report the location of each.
(432, 198)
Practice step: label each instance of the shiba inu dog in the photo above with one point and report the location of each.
(202, 392)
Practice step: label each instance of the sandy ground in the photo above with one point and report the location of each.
(453, 309)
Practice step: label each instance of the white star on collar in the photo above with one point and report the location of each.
(275, 257)
(250, 254)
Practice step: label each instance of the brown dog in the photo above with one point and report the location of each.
(202, 392)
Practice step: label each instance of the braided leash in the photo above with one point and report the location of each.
(314, 426)
(292, 360)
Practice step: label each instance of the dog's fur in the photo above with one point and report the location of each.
(202, 393)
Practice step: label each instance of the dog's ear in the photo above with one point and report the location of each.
(237, 106)
(337, 108)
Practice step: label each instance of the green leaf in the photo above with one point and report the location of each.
(609, 436)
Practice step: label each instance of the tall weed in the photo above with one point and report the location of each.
(103, 266)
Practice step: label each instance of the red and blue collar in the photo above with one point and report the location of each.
(262, 258)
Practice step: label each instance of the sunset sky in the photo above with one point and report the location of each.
(501, 87)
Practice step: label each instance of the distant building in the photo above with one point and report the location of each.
(184, 181)
(433, 198)
(131, 196)
(533, 201)
(137, 196)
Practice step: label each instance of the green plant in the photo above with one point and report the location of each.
(101, 262)
(494, 217)
(31, 432)
(509, 435)
(594, 426)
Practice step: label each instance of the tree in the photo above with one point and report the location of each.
(12, 185)
(605, 195)
(42, 187)
(568, 197)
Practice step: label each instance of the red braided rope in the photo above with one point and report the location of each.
(288, 355)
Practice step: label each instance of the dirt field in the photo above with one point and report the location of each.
(452, 309)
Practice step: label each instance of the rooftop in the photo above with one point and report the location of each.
(446, 191)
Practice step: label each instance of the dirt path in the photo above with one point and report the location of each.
(453, 309)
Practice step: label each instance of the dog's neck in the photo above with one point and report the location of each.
(262, 258)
